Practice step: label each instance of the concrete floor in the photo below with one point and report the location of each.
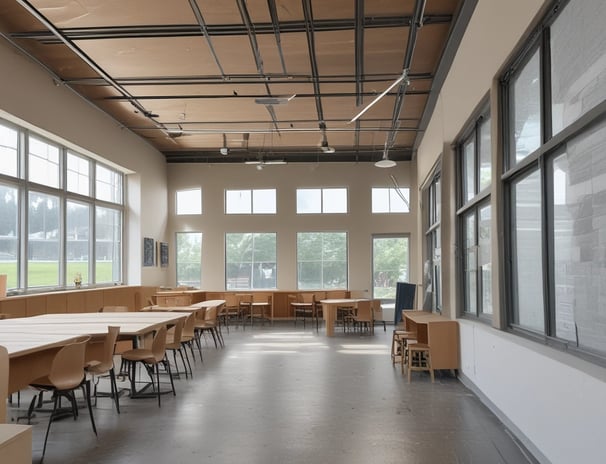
(281, 395)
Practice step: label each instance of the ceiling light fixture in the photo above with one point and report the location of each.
(224, 149)
(385, 162)
(261, 162)
(327, 149)
(279, 100)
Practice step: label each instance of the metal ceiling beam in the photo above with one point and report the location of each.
(410, 48)
(243, 79)
(359, 49)
(241, 96)
(248, 130)
(216, 30)
(275, 21)
(204, 28)
(311, 46)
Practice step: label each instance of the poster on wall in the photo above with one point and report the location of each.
(148, 251)
(163, 254)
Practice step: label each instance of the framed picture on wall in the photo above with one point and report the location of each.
(163, 254)
(148, 251)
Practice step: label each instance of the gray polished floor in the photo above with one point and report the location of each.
(277, 395)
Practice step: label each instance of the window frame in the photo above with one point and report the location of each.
(251, 206)
(24, 187)
(538, 161)
(468, 207)
(322, 191)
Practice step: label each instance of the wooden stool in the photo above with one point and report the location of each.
(399, 340)
(419, 359)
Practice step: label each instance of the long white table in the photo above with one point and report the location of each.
(32, 342)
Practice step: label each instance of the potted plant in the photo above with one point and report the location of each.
(78, 280)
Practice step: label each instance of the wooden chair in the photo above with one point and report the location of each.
(66, 375)
(377, 313)
(208, 325)
(303, 306)
(174, 343)
(362, 317)
(245, 304)
(105, 365)
(419, 359)
(188, 336)
(232, 310)
(151, 359)
(260, 308)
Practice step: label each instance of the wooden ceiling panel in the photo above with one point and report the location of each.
(151, 57)
(228, 89)
(294, 46)
(384, 50)
(208, 110)
(235, 54)
(333, 9)
(384, 8)
(335, 53)
(427, 54)
(102, 13)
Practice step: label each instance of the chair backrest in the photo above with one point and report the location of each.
(377, 310)
(178, 332)
(67, 368)
(189, 325)
(245, 298)
(114, 309)
(109, 344)
(231, 300)
(159, 344)
(307, 297)
(211, 314)
(364, 311)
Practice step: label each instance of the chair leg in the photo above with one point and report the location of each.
(158, 381)
(170, 376)
(191, 372)
(115, 394)
(50, 420)
(90, 407)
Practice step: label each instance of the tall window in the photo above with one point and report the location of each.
(43, 162)
(390, 200)
(258, 201)
(250, 261)
(325, 200)
(9, 139)
(475, 161)
(108, 245)
(77, 240)
(189, 258)
(9, 234)
(189, 201)
(321, 260)
(432, 267)
(43, 244)
(390, 263)
(65, 229)
(555, 212)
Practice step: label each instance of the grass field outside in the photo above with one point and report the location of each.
(45, 273)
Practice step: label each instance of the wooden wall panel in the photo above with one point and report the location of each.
(76, 302)
(14, 307)
(56, 303)
(93, 301)
(35, 305)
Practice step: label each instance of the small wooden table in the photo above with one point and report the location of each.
(440, 333)
(329, 311)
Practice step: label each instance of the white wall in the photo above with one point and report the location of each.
(554, 402)
(359, 222)
(29, 96)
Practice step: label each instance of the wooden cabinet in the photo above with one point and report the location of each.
(440, 333)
